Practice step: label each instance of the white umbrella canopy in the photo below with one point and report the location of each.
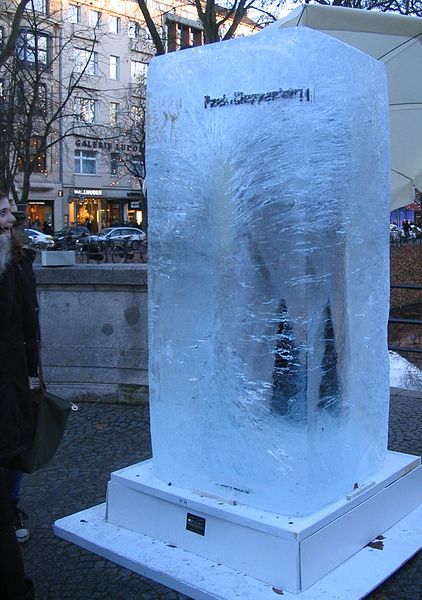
(396, 40)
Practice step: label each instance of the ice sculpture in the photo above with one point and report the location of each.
(268, 186)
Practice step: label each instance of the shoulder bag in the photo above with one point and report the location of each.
(50, 414)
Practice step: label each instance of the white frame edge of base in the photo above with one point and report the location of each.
(58, 258)
(202, 579)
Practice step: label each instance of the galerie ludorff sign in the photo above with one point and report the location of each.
(98, 144)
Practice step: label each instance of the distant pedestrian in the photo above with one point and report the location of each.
(47, 228)
(406, 229)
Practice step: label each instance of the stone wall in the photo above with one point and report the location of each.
(94, 331)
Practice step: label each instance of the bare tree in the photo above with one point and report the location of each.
(217, 21)
(153, 28)
(38, 108)
(215, 18)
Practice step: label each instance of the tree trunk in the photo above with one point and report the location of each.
(11, 40)
(158, 42)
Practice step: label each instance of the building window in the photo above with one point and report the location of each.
(180, 36)
(133, 30)
(40, 6)
(86, 59)
(74, 13)
(171, 36)
(116, 164)
(85, 162)
(25, 99)
(37, 155)
(94, 18)
(197, 37)
(137, 165)
(137, 113)
(33, 47)
(41, 107)
(114, 67)
(114, 113)
(138, 70)
(115, 24)
(86, 110)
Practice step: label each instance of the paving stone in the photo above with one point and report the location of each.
(101, 438)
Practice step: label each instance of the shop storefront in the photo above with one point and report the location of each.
(411, 213)
(85, 208)
(41, 215)
(92, 208)
(134, 212)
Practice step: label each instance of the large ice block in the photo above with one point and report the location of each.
(268, 189)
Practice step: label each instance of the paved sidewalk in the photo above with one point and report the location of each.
(102, 438)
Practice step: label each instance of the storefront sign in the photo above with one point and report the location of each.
(97, 144)
(135, 205)
(87, 192)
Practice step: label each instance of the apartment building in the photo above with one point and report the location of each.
(97, 53)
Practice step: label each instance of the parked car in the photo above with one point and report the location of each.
(396, 234)
(118, 244)
(415, 231)
(118, 234)
(66, 237)
(39, 239)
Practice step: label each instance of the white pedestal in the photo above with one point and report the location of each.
(57, 258)
(210, 549)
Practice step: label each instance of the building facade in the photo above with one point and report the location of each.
(92, 59)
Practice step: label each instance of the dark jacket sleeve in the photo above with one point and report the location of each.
(15, 398)
(31, 328)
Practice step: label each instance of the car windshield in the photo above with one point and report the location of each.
(74, 228)
(104, 232)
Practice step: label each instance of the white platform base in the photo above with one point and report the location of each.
(57, 258)
(203, 579)
(274, 551)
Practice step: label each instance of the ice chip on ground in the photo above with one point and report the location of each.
(268, 187)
